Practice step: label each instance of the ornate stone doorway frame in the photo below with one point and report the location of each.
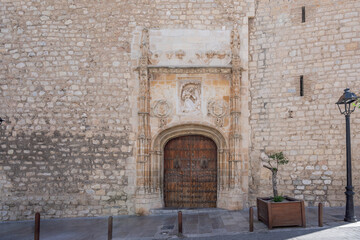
(233, 168)
(158, 145)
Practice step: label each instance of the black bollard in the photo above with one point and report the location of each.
(180, 223)
(37, 226)
(251, 219)
(110, 227)
(320, 214)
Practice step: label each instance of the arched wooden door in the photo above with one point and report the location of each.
(190, 172)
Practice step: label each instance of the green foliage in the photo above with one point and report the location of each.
(278, 199)
(357, 103)
(279, 158)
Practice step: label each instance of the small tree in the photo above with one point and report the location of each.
(272, 163)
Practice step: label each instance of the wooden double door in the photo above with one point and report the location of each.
(190, 172)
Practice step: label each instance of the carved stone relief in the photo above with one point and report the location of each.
(190, 97)
(217, 109)
(189, 91)
(161, 109)
(198, 70)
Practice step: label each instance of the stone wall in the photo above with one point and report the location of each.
(310, 130)
(68, 91)
(67, 147)
(69, 88)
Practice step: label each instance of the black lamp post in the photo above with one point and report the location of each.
(346, 107)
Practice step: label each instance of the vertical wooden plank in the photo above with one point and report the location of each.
(303, 214)
(270, 215)
(258, 212)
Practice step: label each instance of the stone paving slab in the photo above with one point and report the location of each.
(210, 224)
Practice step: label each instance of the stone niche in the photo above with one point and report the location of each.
(190, 82)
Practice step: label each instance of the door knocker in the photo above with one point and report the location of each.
(204, 163)
(176, 164)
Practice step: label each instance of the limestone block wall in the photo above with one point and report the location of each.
(310, 130)
(66, 149)
(68, 93)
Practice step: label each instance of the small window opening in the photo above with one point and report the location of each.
(303, 14)
(301, 85)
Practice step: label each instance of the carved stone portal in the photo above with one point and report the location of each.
(186, 93)
(190, 97)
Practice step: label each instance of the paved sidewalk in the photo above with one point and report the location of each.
(197, 224)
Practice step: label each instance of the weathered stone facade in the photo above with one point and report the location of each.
(325, 50)
(91, 91)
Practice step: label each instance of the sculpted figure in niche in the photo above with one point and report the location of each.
(190, 97)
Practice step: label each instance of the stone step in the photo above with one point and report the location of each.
(165, 211)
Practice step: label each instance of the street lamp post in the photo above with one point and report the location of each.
(346, 107)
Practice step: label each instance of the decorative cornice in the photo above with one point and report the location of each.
(190, 69)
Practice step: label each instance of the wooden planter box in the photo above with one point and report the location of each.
(290, 212)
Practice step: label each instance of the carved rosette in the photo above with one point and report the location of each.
(161, 109)
(217, 109)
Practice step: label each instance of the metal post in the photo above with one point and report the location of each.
(349, 214)
(251, 219)
(110, 227)
(180, 223)
(37, 226)
(320, 214)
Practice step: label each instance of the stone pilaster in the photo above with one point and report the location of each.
(144, 137)
(235, 111)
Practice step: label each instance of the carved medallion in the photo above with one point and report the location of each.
(161, 109)
(190, 93)
(217, 109)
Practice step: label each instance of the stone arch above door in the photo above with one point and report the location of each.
(189, 129)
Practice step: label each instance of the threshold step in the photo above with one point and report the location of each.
(164, 211)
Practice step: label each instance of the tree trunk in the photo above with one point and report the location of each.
(274, 182)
